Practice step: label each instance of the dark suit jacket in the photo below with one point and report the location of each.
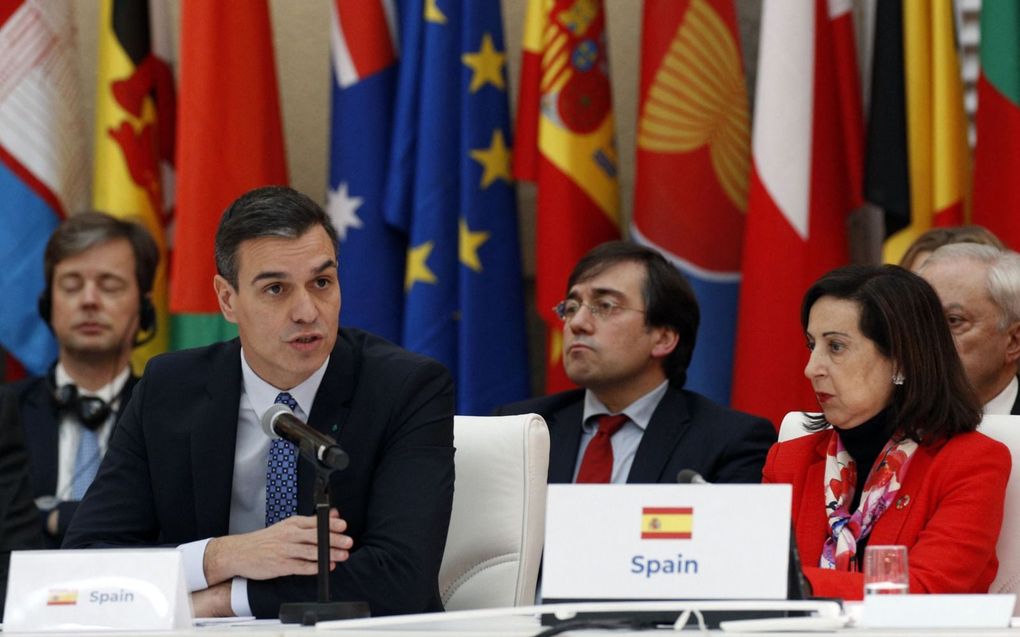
(948, 513)
(19, 525)
(42, 429)
(687, 431)
(167, 475)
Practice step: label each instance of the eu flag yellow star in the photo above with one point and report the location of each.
(417, 268)
(469, 243)
(487, 65)
(433, 14)
(495, 160)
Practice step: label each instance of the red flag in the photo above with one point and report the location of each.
(693, 159)
(806, 160)
(230, 140)
(565, 144)
(997, 154)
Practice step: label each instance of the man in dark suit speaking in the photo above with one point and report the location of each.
(190, 466)
(629, 325)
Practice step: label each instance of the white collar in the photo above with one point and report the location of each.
(262, 395)
(108, 392)
(1003, 403)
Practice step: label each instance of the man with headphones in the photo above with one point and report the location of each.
(99, 273)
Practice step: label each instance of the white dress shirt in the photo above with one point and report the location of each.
(69, 429)
(248, 492)
(1003, 403)
(625, 442)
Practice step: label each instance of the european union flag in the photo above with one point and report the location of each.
(450, 191)
(364, 64)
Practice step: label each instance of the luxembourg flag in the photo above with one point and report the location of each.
(364, 48)
(805, 181)
(43, 165)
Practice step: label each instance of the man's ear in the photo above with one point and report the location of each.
(225, 294)
(1013, 342)
(666, 341)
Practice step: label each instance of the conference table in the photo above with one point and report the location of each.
(524, 622)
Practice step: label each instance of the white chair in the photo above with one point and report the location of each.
(497, 529)
(1006, 429)
(793, 425)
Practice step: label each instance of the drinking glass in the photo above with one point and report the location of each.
(885, 570)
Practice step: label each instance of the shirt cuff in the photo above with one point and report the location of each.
(193, 556)
(239, 597)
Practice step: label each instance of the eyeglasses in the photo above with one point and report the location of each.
(602, 309)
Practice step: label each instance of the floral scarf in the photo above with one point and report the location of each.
(880, 490)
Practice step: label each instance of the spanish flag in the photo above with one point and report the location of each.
(667, 523)
(61, 597)
(134, 138)
(565, 144)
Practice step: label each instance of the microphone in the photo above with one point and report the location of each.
(690, 476)
(280, 422)
(797, 584)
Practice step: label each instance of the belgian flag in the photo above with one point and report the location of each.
(917, 162)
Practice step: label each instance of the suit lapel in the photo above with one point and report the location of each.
(330, 409)
(213, 439)
(669, 423)
(42, 427)
(564, 441)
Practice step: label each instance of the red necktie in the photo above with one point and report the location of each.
(597, 464)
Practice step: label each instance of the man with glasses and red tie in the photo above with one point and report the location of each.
(629, 326)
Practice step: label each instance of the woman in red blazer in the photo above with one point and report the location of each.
(896, 458)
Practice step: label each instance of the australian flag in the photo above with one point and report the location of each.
(449, 206)
(363, 43)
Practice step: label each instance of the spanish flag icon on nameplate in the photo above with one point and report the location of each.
(61, 597)
(667, 523)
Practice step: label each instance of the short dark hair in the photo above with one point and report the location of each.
(270, 211)
(86, 230)
(669, 299)
(935, 238)
(902, 315)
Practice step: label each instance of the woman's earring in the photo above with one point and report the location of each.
(898, 379)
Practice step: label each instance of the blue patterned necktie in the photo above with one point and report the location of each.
(281, 474)
(86, 463)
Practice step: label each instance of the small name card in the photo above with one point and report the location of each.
(938, 611)
(97, 589)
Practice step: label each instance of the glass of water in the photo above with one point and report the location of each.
(885, 570)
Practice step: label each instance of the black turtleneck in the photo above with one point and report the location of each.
(864, 442)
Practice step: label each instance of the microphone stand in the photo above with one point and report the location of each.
(308, 613)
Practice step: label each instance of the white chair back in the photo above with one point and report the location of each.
(497, 528)
(793, 425)
(1006, 429)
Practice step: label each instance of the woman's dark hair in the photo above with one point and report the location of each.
(902, 315)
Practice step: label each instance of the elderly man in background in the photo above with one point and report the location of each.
(979, 287)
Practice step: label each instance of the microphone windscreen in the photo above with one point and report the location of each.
(690, 476)
(270, 416)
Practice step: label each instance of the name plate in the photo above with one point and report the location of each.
(664, 541)
(97, 589)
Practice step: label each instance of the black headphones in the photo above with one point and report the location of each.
(146, 316)
(92, 411)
